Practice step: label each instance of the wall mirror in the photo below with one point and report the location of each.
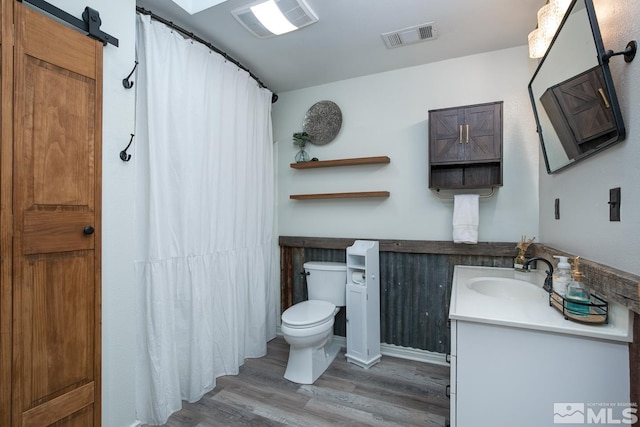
(572, 93)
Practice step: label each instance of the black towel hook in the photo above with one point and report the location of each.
(123, 154)
(125, 82)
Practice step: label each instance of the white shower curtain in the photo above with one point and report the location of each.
(204, 220)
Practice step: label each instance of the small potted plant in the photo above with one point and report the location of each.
(300, 140)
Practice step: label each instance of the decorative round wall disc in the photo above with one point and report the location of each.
(322, 122)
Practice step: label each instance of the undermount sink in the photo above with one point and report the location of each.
(504, 288)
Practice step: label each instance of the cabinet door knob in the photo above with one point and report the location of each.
(467, 134)
(460, 134)
(88, 230)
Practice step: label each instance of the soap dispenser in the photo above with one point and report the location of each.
(577, 297)
(563, 275)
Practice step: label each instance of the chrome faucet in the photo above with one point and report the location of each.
(548, 281)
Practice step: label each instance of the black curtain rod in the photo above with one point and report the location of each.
(192, 36)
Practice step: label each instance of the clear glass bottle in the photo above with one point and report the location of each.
(563, 275)
(302, 156)
(577, 297)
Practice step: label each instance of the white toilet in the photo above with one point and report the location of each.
(308, 325)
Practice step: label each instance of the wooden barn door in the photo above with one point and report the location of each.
(56, 215)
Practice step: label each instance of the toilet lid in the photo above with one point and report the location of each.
(325, 265)
(308, 313)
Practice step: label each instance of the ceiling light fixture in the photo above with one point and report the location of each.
(549, 18)
(274, 17)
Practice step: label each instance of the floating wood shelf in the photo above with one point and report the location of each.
(341, 162)
(357, 194)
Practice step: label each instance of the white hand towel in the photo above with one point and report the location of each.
(465, 218)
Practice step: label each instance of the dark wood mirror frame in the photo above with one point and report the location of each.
(572, 128)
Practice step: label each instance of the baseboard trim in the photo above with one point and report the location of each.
(413, 354)
(398, 351)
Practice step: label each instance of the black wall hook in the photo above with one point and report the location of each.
(123, 154)
(125, 82)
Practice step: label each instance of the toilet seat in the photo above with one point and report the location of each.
(308, 314)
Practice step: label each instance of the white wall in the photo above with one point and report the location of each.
(118, 334)
(386, 114)
(584, 228)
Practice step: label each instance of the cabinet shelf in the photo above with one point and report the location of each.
(341, 162)
(357, 194)
(466, 176)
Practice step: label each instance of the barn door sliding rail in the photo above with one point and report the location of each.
(90, 22)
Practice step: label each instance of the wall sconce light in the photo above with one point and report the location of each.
(268, 18)
(537, 44)
(549, 18)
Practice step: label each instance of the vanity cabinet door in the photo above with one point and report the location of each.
(505, 376)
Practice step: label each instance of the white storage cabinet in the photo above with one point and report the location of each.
(363, 303)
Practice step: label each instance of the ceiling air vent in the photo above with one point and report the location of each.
(418, 33)
(297, 13)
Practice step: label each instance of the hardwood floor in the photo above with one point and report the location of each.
(395, 392)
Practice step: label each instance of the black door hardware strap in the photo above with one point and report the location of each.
(90, 22)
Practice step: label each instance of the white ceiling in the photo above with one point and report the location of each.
(346, 41)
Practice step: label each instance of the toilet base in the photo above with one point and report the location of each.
(305, 365)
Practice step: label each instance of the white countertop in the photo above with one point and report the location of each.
(469, 305)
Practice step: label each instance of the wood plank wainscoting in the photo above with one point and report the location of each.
(415, 280)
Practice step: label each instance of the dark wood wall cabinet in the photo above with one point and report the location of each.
(465, 147)
(580, 112)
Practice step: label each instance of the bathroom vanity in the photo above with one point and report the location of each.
(517, 361)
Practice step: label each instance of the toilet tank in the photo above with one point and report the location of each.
(327, 281)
